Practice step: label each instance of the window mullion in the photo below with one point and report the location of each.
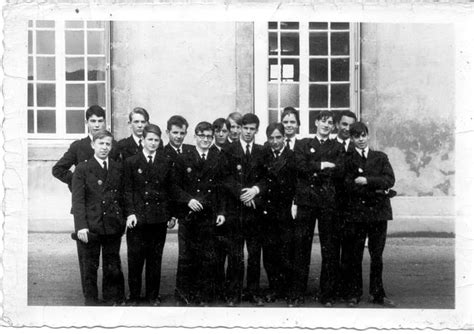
(60, 43)
(304, 78)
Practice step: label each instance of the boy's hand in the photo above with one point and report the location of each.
(220, 220)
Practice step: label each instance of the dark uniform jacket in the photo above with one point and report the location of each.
(148, 189)
(280, 181)
(201, 180)
(241, 172)
(97, 197)
(368, 202)
(315, 187)
(178, 210)
(128, 147)
(80, 150)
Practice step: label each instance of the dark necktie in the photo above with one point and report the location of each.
(277, 153)
(364, 156)
(203, 157)
(247, 151)
(322, 141)
(178, 150)
(288, 143)
(150, 160)
(346, 144)
(105, 168)
(140, 147)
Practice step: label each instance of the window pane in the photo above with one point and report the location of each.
(95, 68)
(75, 24)
(31, 121)
(75, 95)
(273, 69)
(290, 95)
(272, 116)
(289, 25)
(340, 44)
(95, 24)
(95, 42)
(46, 95)
(312, 120)
(45, 42)
(75, 69)
(318, 96)
(340, 70)
(272, 25)
(31, 100)
(75, 121)
(30, 68)
(290, 70)
(30, 42)
(273, 43)
(273, 96)
(46, 68)
(318, 70)
(318, 25)
(30, 23)
(318, 43)
(290, 43)
(339, 25)
(96, 94)
(74, 42)
(44, 24)
(340, 96)
(46, 121)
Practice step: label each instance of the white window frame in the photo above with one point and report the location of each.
(60, 81)
(261, 66)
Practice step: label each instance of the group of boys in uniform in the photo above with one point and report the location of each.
(227, 192)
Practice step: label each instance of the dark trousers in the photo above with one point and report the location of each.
(253, 235)
(145, 244)
(112, 281)
(197, 270)
(355, 234)
(222, 247)
(278, 249)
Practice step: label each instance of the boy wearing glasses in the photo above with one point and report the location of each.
(200, 173)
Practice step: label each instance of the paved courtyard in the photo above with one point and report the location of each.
(418, 272)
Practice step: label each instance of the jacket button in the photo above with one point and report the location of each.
(209, 191)
(146, 192)
(117, 212)
(312, 186)
(146, 182)
(103, 202)
(198, 191)
(146, 203)
(363, 202)
(105, 213)
(199, 180)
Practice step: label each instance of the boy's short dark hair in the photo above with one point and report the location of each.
(324, 114)
(203, 126)
(357, 129)
(95, 110)
(140, 111)
(291, 111)
(219, 123)
(236, 117)
(339, 114)
(275, 126)
(102, 134)
(178, 121)
(151, 128)
(250, 119)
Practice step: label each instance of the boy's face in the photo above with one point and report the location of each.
(102, 147)
(95, 123)
(276, 140)
(235, 130)
(221, 135)
(324, 126)
(290, 124)
(360, 141)
(176, 135)
(151, 142)
(204, 139)
(137, 124)
(343, 127)
(248, 132)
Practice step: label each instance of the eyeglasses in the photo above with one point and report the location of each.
(202, 137)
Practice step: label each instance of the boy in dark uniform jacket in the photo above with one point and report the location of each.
(137, 120)
(275, 208)
(221, 128)
(148, 187)
(200, 173)
(368, 178)
(97, 207)
(318, 161)
(243, 182)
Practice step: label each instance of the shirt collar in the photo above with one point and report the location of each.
(292, 142)
(360, 151)
(201, 152)
(176, 149)
(344, 142)
(147, 154)
(320, 139)
(244, 145)
(137, 139)
(101, 161)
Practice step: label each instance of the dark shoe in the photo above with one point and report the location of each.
(294, 302)
(328, 303)
(118, 303)
(271, 297)
(92, 302)
(232, 302)
(132, 302)
(352, 302)
(258, 301)
(384, 301)
(155, 302)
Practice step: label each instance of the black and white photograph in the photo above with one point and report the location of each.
(239, 164)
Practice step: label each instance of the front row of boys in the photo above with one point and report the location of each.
(228, 195)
